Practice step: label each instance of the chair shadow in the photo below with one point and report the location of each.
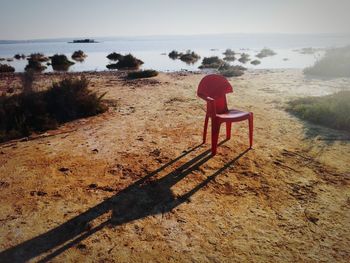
(143, 198)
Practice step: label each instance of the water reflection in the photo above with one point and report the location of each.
(97, 61)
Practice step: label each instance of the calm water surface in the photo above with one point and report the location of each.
(151, 50)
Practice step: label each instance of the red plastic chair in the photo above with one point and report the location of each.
(213, 89)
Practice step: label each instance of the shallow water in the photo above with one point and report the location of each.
(151, 50)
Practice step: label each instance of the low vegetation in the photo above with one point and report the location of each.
(255, 62)
(114, 56)
(126, 62)
(4, 68)
(35, 61)
(60, 62)
(335, 63)
(38, 57)
(142, 74)
(229, 53)
(19, 56)
(34, 65)
(231, 71)
(331, 110)
(212, 62)
(190, 57)
(79, 55)
(22, 114)
(244, 58)
(174, 54)
(266, 52)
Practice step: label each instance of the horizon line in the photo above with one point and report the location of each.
(174, 35)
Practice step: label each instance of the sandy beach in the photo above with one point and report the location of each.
(135, 184)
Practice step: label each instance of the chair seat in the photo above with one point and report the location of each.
(234, 114)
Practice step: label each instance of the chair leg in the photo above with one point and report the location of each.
(251, 128)
(205, 129)
(228, 130)
(215, 130)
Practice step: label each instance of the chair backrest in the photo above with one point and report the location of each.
(216, 87)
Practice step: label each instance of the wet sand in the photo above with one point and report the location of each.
(135, 184)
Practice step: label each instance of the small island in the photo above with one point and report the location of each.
(87, 40)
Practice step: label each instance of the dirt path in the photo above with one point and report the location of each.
(135, 185)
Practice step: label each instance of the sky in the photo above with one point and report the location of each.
(37, 19)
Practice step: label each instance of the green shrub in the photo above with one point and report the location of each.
(79, 55)
(34, 65)
(142, 74)
(189, 57)
(229, 58)
(4, 68)
(38, 57)
(229, 53)
(212, 62)
(126, 62)
(231, 71)
(60, 62)
(331, 110)
(244, 58)
(335, 63)
(19, 56)
(114, 56)
(34, 62)
(27, 79)
(67, 100)
(174, 54)
(265, 52)
(255, 62)
(71, 99)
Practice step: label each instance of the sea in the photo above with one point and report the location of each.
(154, 50)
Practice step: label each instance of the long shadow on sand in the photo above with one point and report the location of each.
(143, 198)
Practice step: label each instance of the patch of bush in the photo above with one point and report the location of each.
(126, 62)
(335, 63)
(27, 80)
(24, 113)
(19, 56)
(231, 71)
(79, 55)
(212, 62)
(265, 52)
(229, 53)
(34, 65)
(255, 62)
(142, 74)
(4, 68)
(331, 110)
(60, 62)
(244, 58)
(114, 56)
(229, 58)
(34, 62)
(174, 54)
(190, 57)
(38, 57)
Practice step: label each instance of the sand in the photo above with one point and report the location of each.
(135, 184)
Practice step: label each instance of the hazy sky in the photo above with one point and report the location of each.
(30, 19)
